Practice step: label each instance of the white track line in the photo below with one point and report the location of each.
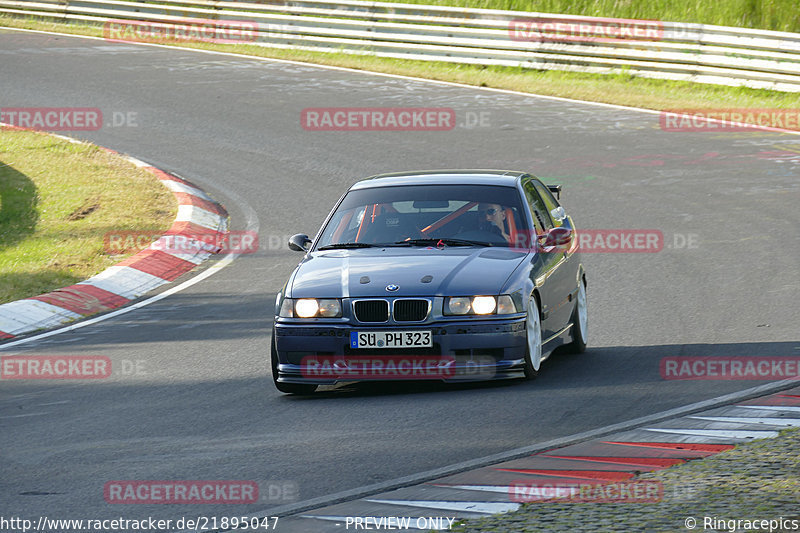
(755, 421)
(465, 507)
(789, 408)
(718, 433)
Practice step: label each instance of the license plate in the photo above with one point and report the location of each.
(391, 339)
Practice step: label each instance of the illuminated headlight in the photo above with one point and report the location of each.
(311, 307)
(484, 305)
(306, 307)
(480, 305)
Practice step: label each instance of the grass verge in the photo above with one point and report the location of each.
(57, 201)
(620, 89)
(780, 15)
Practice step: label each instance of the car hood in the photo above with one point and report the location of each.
(423, 271)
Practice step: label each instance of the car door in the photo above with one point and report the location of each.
(552, 267)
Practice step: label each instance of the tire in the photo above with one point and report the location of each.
(288, 388)
(580, 322)
(533, 329)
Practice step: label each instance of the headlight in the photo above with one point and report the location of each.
(306, 308)
(330, 308)
(480, 305)
(484, 305)
(457, 306)
(311, 307)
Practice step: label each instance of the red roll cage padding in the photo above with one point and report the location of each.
(512, 227)
(342, 225)
(448, 218)
(377, 209)
(364, 219)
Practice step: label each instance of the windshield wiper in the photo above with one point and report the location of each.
(443, 241)
(343, 245)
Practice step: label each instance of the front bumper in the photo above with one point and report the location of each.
(467, 350)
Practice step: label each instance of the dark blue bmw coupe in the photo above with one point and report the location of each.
(457, 275)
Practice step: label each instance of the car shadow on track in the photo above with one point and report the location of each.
(610, 368)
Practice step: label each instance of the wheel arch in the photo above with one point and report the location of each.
(581, 275)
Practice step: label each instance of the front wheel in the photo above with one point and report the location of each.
(580, 322)
(533, 327)
(288, 388)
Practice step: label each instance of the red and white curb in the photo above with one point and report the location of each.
(616, 458)
(198, 215)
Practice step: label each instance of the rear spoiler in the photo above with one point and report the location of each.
(555, 189)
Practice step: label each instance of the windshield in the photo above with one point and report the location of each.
(480, 215)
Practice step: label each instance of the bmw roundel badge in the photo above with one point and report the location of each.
(392, 287)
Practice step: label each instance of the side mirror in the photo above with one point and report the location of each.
(299, 242)
(558, 237)
(556, 190)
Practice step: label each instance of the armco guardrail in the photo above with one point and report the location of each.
(670, 50)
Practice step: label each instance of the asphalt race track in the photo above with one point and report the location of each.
(203, 407)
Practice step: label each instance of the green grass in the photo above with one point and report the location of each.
(780, 15)
(57, 201)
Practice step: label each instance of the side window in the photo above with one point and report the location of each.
(539, 210)
(547, 196)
